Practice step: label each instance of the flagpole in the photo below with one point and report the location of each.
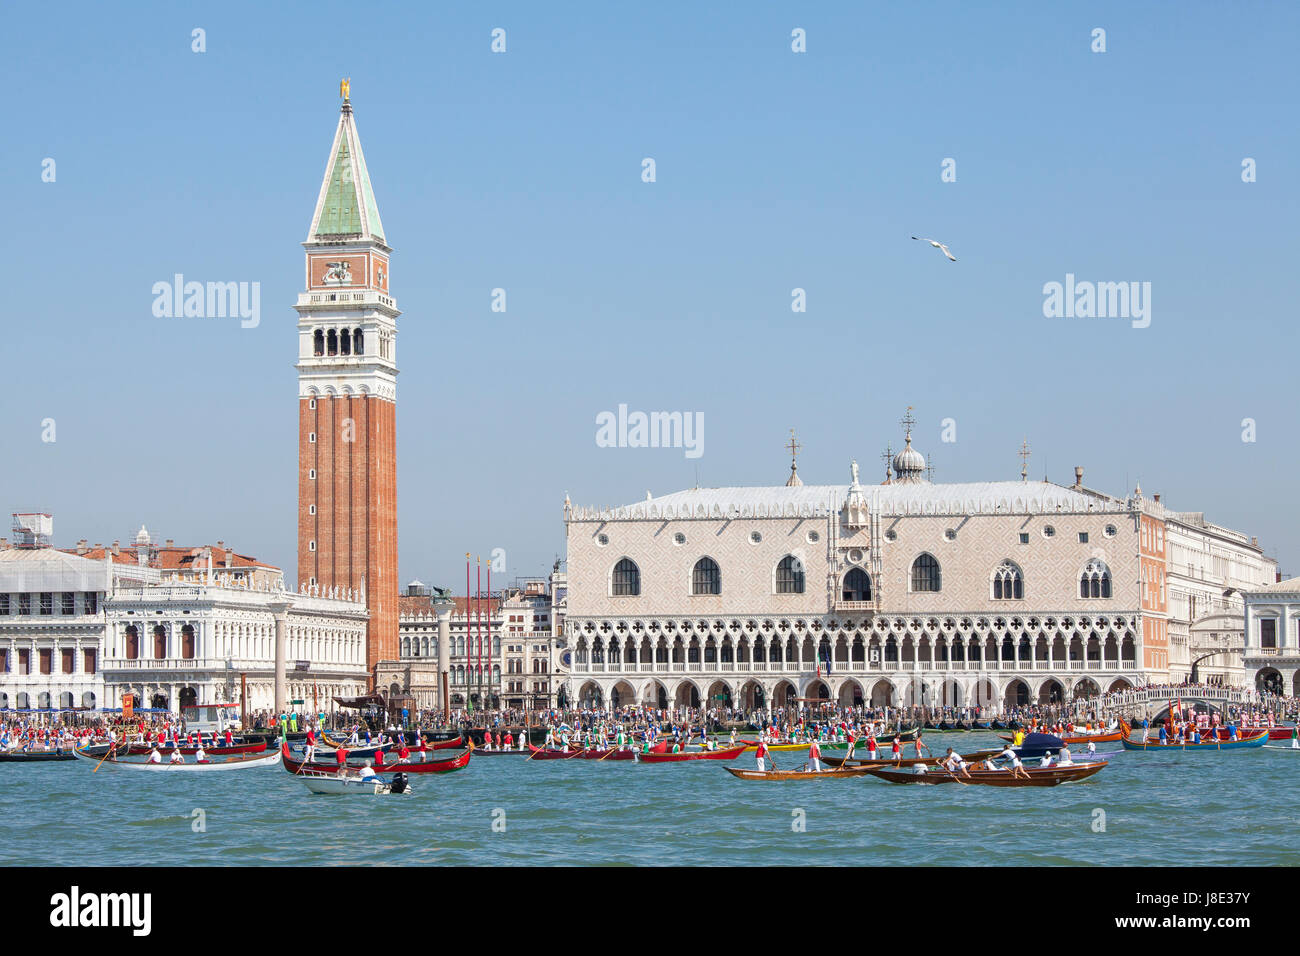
(489, 617)
(478, 627)
(467, 606)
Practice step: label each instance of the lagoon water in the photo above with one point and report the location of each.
(1159, 809)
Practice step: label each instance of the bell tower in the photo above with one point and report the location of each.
(347, 397)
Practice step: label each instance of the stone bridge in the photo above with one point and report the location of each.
(1154, 702)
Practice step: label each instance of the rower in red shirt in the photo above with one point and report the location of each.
(898, 749)
(814, 756)
(761, 755)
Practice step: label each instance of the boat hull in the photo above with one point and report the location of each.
(425, 765)
(143, 750)
(229, 763)
(731, 753)
(39, 756)
(834, 774)
(1214, 746)
(1038, 777)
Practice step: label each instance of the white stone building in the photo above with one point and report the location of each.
(989, 594)
(1272, 637)
(169, 626)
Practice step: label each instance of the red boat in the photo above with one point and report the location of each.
(731, 753)
(537, 753)
(420, 762)
(143, 750)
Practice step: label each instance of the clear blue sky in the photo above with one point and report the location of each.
(775, 170)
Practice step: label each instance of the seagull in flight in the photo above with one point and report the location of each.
(938, 245)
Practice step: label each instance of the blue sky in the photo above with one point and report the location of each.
(775, 170)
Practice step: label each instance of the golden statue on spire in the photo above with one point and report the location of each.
(345, 89)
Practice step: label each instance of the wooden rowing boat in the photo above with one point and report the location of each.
(425, 764)
(1038, 776)
(1151, 745)
(35, 756)
(731, 753)
(905, 762)
(797, 774)
(243, 762)
(143, 750)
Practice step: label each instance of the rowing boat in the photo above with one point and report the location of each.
(1077, 739)
(731, 753)
(1154, 746)
(905, 762)
(425, 764)
(35, 756)
(143, 750)
(796, 774)
(243, 762)
(1038, 776)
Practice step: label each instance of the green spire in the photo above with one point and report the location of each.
(347, 204)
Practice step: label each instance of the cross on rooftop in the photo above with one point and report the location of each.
(1024, 460)
(794, 447)
(907, 422)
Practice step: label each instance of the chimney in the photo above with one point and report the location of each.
(116, 547)
(228, 561)
(221, 545)
(1157, 497)
(98, 546)
(169, 543)
(81, 546)
(1078, 476)
(4, 543)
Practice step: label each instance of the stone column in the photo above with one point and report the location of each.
(280, 611)
(443, 609)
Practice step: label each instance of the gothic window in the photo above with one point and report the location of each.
(706, 578)
(1008, 582)
(790, 576)
(857, 585)
(318, 342)
(925, 573)
(1094, 582)
(627, 578)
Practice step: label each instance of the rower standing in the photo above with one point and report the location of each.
(815, 756)
(920, 745)
(760, 755)
(898, 749)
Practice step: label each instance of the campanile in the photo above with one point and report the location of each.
(347, 396)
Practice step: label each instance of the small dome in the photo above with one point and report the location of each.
(142, 536)
(416, 583)
(909, 463)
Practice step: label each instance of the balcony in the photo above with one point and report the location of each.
(845, 606)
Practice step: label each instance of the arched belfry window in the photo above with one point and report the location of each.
(706, 577)
(358, 343)
(857, 585)
(1008, 582)
(345, 342)
(627, 578)
(331, 342)
(925, 573)
(790, 576)
(318, 342)
(1094, 582)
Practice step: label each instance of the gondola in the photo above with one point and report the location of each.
(243, 762)
(905, 761)
(549, 753)
(143, 750)
(35, 756)
(1154, 746)
(425, 764)
(731, 753)
(1038, 776)
(512, 752)
(797, 774)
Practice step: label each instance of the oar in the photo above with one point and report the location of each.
(111, 748)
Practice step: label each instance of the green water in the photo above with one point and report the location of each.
(1159, 809)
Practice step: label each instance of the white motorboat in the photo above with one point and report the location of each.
(318, 782)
